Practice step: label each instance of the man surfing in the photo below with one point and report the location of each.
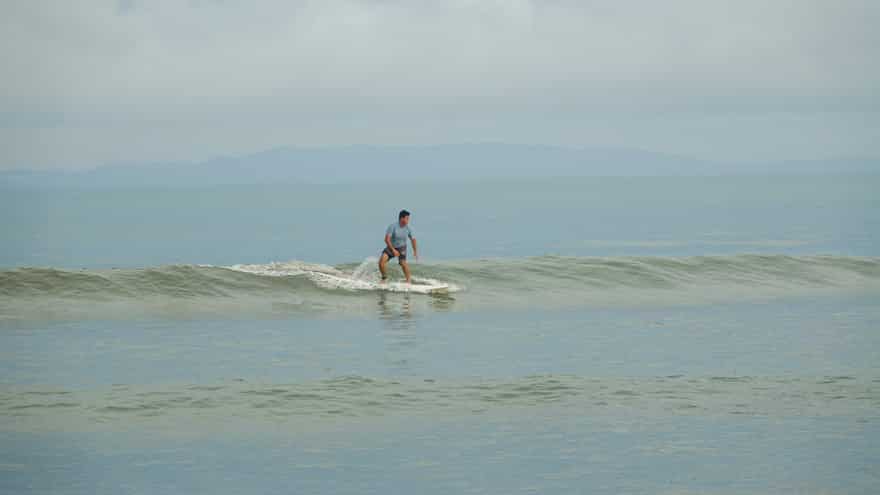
(395, 245)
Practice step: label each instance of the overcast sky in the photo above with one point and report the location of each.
(89, 82)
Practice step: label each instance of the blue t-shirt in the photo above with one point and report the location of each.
(398, 234)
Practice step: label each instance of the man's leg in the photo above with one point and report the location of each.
(405, 266)
(383, 260)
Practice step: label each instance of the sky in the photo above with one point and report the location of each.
(97, 82)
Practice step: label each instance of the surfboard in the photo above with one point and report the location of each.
(418, 285)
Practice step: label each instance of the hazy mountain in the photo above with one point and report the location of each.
(398, 163)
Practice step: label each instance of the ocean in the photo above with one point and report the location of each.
(599, 335)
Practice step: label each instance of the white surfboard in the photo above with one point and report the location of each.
(421, 286)
(418, 285)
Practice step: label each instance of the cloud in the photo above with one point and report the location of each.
(131, 69)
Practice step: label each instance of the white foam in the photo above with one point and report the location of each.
(285, 269)
(364, 277)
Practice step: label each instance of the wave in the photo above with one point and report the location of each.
(190, 281)
(549, 279)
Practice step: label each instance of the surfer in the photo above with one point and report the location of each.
(395, 245)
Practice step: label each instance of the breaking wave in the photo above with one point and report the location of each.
(545, 280)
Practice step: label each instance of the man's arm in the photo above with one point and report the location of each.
(390, 247)
(415, 247)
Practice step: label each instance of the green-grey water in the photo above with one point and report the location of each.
(608, 335)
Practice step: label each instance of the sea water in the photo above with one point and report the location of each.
(607, 335)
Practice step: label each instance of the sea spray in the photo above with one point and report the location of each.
(367, 270)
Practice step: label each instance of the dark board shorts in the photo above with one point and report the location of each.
(402, 251)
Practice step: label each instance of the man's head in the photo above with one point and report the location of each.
(403, 217)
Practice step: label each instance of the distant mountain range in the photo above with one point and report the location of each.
(439, 162)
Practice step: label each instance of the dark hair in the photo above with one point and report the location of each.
(403, 213)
